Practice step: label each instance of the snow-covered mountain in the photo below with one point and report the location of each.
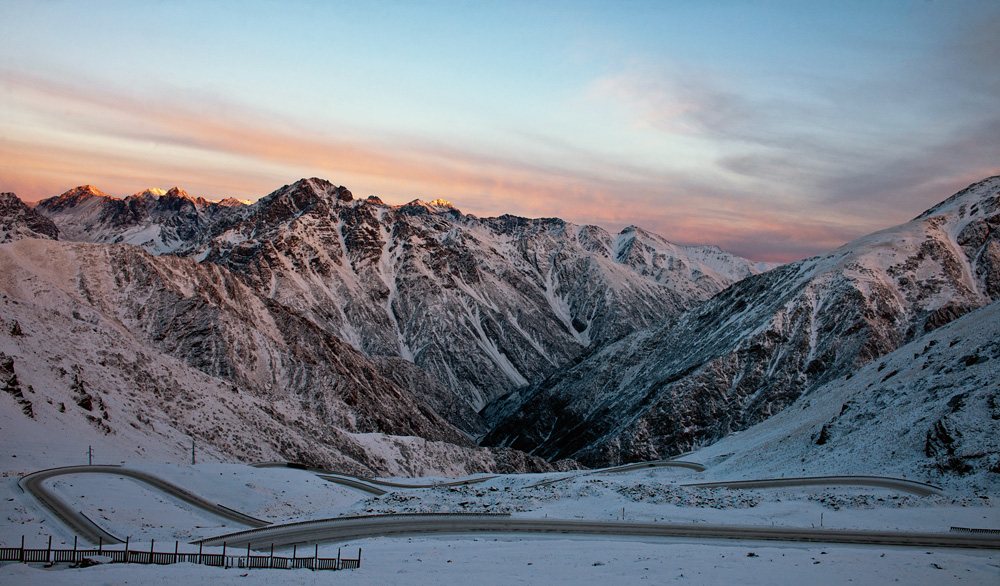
(481, 305)
(158, 221)
(755, 348)
(367, 336)
(107, 343)
(18, 221)
(929, 410)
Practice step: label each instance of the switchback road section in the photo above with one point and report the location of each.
(87, 529)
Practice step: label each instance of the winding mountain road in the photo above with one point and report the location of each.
(33, 484)
(352, 528)
(901, 484)
(669, 463)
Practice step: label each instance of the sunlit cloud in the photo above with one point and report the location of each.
(753, 182)
(211, 150)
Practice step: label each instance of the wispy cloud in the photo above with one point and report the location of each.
(211, 147)
(768, 189)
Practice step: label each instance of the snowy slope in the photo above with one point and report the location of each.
(107, 344)
(281, 494)
(753, 349)
(929, 411)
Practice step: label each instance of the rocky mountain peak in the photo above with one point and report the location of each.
(979, 198)
(152, 192)
(305, 194)
(177, 192)
(232, 202)
(72, 198)
(17, 221)
(442, 204)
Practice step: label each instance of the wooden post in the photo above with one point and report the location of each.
(338, 558)
(126, 548)
(295, 548)
(74, 549)
(248, 554)
(176, 547)
(22, 549)
(224, 564)
(100, 544)
(316, 557)
(359, 557)
(200, 545)
(270, 562)
(48, 554)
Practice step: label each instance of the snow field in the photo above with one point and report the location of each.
(647, 495)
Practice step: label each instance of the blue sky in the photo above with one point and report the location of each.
(775, 130)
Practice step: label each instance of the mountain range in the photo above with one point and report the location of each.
(317, 327)
(756, 347)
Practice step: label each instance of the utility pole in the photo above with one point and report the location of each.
(90, 455)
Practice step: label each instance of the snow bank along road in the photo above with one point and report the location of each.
(352, 528)
(901, 484)
(87, 529)
(368, 484)
(670, 463)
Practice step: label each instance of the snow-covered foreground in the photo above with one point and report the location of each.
(487, 560)
(128, 508)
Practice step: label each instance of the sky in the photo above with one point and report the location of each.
(775, 130)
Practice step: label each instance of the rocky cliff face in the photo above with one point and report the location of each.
(111, 341)
(756, 347)
(482, 305)
(18, 221)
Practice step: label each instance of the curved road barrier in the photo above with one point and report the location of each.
(901, 484)
(464, 482)
(353, 528)
(353, 482)
(365, 484)
(87, 529)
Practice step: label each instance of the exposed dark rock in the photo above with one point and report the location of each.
(17, 221)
